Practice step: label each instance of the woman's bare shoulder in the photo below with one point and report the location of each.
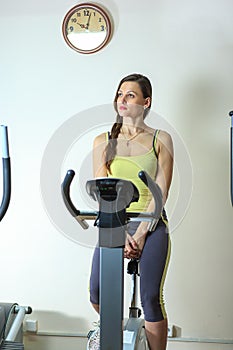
(164, 136)
(165, 141)
(100, 139)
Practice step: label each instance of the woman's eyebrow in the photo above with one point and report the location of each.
(128, 91)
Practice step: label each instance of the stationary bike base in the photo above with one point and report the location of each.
(134, 334)
(114, 196)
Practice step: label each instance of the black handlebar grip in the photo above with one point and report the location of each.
(231, 113)
(65, 187)
(68, 179)
(156, 193)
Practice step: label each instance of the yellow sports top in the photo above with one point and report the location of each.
(128, 167)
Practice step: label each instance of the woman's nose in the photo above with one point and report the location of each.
(123, 99)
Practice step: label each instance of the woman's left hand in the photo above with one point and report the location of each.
(140, 240)
(131, 250)
(134, 245)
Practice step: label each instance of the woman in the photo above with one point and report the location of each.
(130, 147)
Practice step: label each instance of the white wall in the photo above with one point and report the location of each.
(186, 48)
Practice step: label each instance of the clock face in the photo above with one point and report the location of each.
(86, 28)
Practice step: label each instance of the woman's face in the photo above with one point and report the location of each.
(130, 100)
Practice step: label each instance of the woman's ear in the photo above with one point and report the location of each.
(147, 102)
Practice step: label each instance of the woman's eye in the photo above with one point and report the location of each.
(128, 96)
(131, 95)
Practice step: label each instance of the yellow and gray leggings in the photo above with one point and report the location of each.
(153, 268)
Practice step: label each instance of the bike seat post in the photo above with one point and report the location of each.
(132, 270)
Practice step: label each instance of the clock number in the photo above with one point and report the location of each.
(102, 28)
(100, 19)
(86, 12)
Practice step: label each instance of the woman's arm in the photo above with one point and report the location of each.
(165, 163)
(99, 166)
(164, 150)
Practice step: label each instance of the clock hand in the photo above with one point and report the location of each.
(71, 28)
(81, 25)
(88, 22)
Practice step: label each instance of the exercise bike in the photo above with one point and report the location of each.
(114, 196)
(11, 314)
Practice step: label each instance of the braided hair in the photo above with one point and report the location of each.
(146, 88)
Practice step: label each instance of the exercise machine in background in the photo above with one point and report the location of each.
(114, 196)
(6, 166)
(231, 155)
(11, 314)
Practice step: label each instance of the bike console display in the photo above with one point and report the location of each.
(111, 189)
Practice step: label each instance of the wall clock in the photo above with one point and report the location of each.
(87, 28)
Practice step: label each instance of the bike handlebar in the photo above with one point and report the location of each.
(66, 193)
(81, 216)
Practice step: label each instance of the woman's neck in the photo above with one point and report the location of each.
(132, 128)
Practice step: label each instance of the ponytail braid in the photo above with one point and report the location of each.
(110, 150)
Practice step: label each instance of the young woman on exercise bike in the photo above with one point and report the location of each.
(132, 146)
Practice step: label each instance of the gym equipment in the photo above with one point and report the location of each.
(231, 155)
(114, 196)
(11, 314)
(6, 166)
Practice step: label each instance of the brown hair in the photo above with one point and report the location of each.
(146, 89)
